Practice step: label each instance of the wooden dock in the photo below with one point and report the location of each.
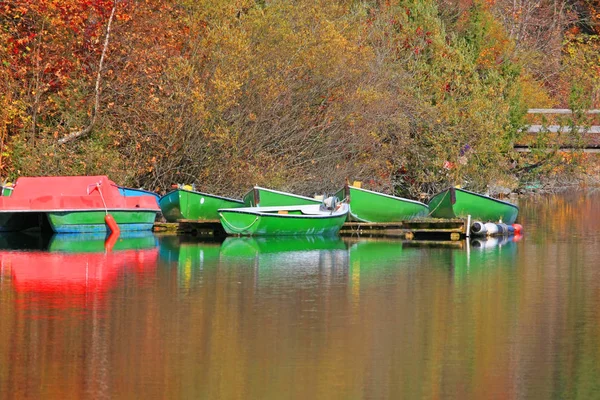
(418, 229)
(206, 229)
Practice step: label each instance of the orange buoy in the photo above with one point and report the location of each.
(112, 224)
(110, 241)
(518, 228)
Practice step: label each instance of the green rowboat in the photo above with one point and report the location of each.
(192, 205)
(369, 206)
(460, 203)
(262, 197)
(284, 220)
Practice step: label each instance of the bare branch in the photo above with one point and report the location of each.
(89, 128)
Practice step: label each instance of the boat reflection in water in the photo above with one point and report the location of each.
(188, 251)
(77, 263)
(249, 247)
(279, 248)
(192, 257)
(287, 259)
(381, 254)
(378, 262)
(24, 241)
(248, 259)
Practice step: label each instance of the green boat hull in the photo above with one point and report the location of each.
(186, 204)
(369, 206)
(248, 223)
(261, 197)
(459, 203)
(93, 221)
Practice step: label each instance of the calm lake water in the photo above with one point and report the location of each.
(311, 318)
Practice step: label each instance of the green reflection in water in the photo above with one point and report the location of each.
(187, 252)
(190, 255)
(371, 261)
(286, 260)
(380, 255)
(98, 242)
(245, 247)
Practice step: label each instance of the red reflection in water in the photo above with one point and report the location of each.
(61, 280)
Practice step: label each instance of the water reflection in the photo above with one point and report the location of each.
(487, 252)
(301, 261)
(190, 256)
(56, 296)
(188, 252)
(323, 318)
(74, 263)
(24, 241)
(373, 261)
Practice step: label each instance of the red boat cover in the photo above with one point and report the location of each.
(71, 193)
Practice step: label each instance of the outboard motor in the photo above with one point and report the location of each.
(330, 203)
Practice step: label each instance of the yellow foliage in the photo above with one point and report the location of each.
(534, 94)
(226, 89)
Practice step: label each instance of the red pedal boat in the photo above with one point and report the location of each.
(74, 204)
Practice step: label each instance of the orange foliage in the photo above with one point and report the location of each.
(232, 92)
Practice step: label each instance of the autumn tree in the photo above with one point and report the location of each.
(52, 52)
(407, 96)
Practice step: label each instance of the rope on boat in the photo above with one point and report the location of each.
(97, 186)
(109, 220)
(238, 230)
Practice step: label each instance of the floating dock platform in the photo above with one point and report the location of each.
(417, 229)
(209, 228)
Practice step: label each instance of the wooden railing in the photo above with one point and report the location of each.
(558, 128)
(563, 111)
